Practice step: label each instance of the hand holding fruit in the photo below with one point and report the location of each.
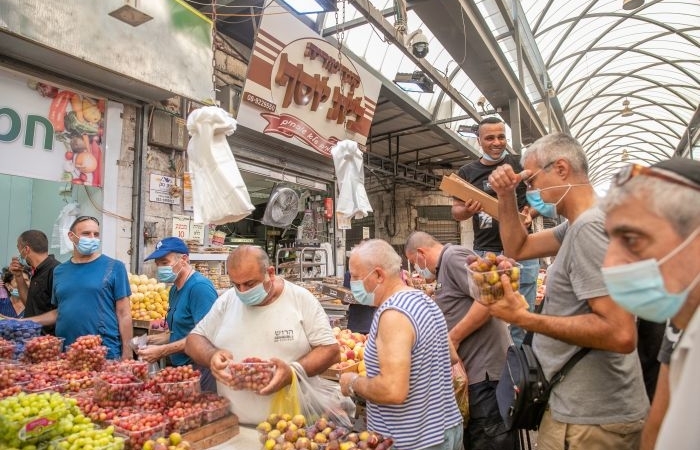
(152, 353)
(281, 378)
(218, 364)
(512, 307)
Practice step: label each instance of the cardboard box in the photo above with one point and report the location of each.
(463, 190)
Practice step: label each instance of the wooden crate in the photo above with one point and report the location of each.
(213, 433)
(334, 374)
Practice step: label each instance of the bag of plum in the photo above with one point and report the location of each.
(485, 274)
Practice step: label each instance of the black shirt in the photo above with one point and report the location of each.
(486, 234)
(40, 289)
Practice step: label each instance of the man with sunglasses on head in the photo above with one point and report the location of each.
(601, 401)
(91, 294)
(652, 269)
(492, 140)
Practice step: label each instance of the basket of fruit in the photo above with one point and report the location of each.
(90, 438)
(19, 330)
(42, 348)
(177, 383)
(214, 407)
(28, 419)
(87, 353)
(183, 417)
(484, 275)
(139, 428)
(139, 369)
(251, 374)
(7, 349)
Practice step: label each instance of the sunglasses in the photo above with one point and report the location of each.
(632, 170)
(83, 219)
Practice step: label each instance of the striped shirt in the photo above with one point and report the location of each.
(430, 407)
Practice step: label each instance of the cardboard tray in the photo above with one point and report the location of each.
(463, 190)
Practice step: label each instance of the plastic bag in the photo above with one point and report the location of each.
(139, 342)
(61, 227)
(313, 397)
(460, 384)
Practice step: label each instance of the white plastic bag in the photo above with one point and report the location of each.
(219, 194)
(59, 234)
(352, 197)
(320, 397)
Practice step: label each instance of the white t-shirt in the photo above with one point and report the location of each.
(679, 430)
(286, 329)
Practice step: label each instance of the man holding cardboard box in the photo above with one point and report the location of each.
(492, 139)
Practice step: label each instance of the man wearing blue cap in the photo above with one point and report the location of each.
(191, 297)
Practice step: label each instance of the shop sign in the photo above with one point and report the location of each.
(161, 189)
(50, 133)
(300, 90)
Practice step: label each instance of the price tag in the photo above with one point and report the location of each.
(181, 227)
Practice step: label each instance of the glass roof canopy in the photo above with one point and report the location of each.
(596, 55)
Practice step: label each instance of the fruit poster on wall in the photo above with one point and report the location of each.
(51, 133)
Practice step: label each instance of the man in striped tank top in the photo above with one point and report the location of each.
(408, 386)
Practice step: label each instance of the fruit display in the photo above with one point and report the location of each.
(352, 351)
(12, 375)
(31, 418)
(115, 389)
(251, 374)
(176, 383)
(86, 353)
(7, 349)
(485, 276)
(92, 437)
(149, 298)
(139, 369)
(42, 348)
(213, 406)
(78, 380)
(184, 416)
(18, 331)
(172, 442)
(282, 432)
(139, 428)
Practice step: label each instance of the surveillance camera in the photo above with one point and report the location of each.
(419, 44)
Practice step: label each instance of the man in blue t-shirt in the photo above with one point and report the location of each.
(191, 297)
(91, 294)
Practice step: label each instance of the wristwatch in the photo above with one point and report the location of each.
(350, 388)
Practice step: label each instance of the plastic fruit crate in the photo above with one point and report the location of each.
(50, 386)
(32, 430)
(179, 390)
(214, 407)
(487, 287)
(116, 389)
(87, 359)
(18, 331)
(139, 369)
(138, 428)
(42, 348)
(251, 375)
(183, 424)
(7, 349)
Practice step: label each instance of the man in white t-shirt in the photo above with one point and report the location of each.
(262, 316)
(652, 269)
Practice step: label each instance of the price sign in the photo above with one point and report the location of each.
(181, 227)
(197, 232)
(160, 189)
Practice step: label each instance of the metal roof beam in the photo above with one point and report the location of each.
(691, 135)
(354, 23)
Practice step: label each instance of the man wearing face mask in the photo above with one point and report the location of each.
(191, 297)
(33, 249)
(481, 340)
(91, 294)
(266, 317)
(492, 140)
(652, 269)
(601, 402)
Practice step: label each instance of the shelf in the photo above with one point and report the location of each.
(208, 256)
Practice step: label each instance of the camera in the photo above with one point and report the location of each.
(419, 44)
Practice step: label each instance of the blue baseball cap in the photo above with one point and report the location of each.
(169, 245)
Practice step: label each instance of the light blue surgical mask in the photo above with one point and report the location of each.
(534, 198)
(165, 274)
(14, 292)
(253, 296)
(499, 159)
(424, 271)
(22, 259)
(639, 287)
(360, 293)
(87, 246)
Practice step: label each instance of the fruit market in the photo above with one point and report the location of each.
(349, 224)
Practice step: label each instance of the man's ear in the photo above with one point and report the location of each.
(562, 168)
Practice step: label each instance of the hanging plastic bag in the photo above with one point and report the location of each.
(460, 383)
(219, 194)
(313, 397)
(286, 400)
(59, 234)
(352, 197)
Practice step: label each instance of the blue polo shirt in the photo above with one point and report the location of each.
(187, 306)
(86, 296)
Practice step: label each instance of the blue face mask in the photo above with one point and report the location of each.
(534, 198)
(165, 274)
(87, 246)
(22, 260)
(253, 296)
(424, 271)
(639, 287)
(360, 293)
(14, 292)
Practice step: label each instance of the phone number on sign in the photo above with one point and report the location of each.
(259, 102)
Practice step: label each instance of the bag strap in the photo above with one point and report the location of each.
(569, 364)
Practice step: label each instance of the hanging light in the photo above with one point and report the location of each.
(130, 14)
(626, 110)
(629, 5)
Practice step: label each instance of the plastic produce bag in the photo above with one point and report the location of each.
(59, 234)
(219, 194)
(139, 342)
(349, 170)
(313, 397)
(460, 383)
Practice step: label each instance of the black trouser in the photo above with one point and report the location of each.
(485, 429)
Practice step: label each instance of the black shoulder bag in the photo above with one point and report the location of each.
(523, 391)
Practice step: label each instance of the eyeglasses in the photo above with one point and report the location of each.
(530, 179)
(632, 170)
(83, 219)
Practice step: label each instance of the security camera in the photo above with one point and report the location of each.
(418, 43)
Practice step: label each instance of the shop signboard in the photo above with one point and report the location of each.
(50, 133)
(301, 90)
(161, 189)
